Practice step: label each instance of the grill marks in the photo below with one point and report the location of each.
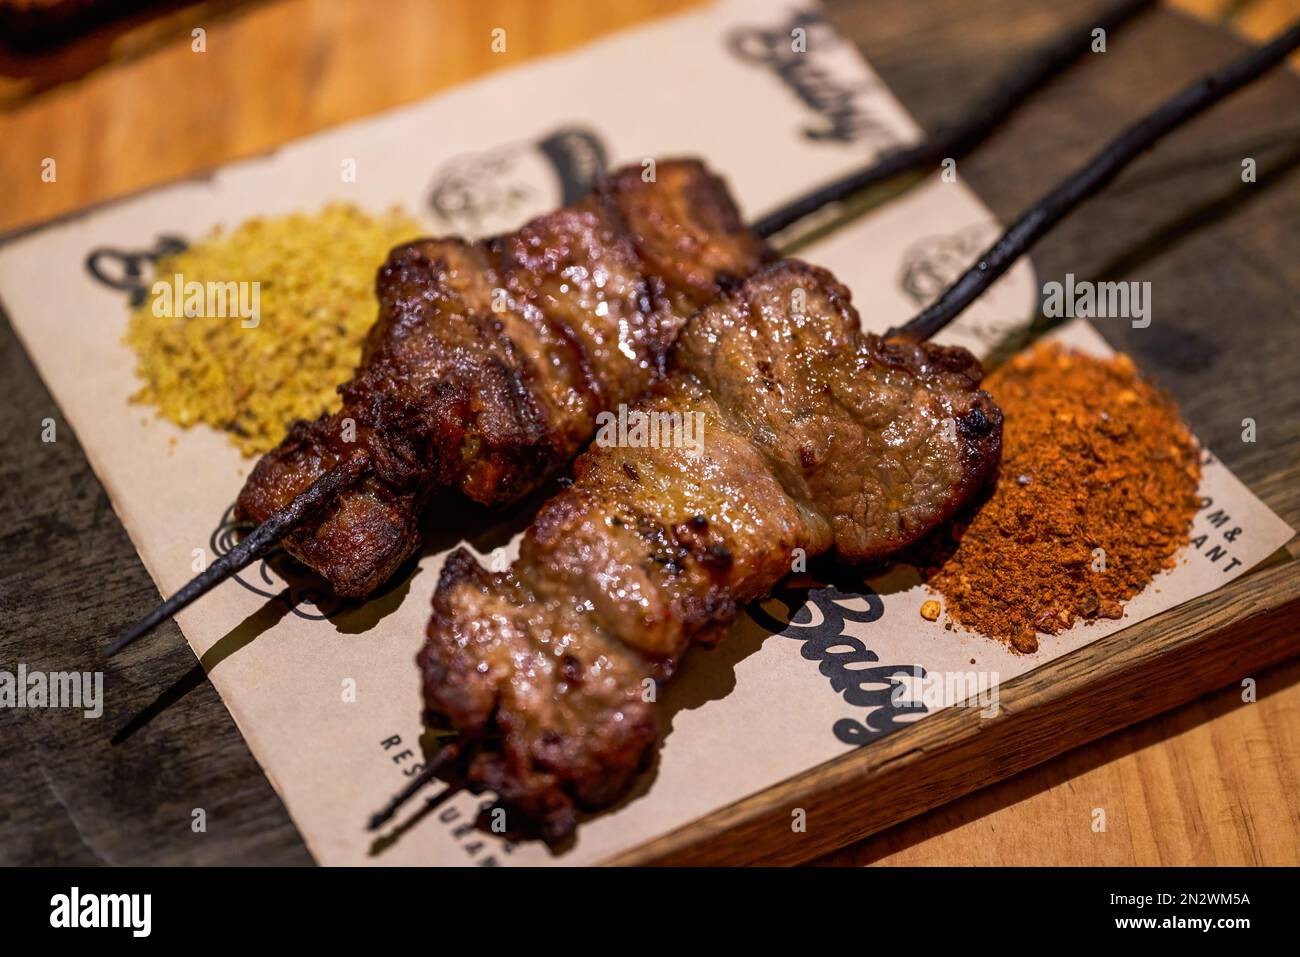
(489, 361)
(816, 437)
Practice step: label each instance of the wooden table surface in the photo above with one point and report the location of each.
(1214, 782)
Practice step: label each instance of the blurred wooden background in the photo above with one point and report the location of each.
(282, 74)
(130, 106)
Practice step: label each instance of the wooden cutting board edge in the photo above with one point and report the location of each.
(1126, 677)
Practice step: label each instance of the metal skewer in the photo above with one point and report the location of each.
(959, 138)
(1037, 220)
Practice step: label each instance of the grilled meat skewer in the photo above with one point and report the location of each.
(816, 437)
(490, 360)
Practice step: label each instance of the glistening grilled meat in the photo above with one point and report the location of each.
(490, 360)
(816, 437)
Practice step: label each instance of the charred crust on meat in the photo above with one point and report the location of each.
(695, 540)
(975, 424)
(710, 614)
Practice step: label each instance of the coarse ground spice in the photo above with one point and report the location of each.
(1096, 494)
(316, 302)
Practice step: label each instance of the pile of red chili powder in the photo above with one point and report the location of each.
(1096, 494)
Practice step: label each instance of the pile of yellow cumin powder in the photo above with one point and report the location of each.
(1095, 496)
(316, 276)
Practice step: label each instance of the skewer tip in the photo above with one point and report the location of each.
(140, 628)
(418, 783)
(261, 540)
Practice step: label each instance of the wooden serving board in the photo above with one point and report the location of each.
(1222, 258)
(1110, 684)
